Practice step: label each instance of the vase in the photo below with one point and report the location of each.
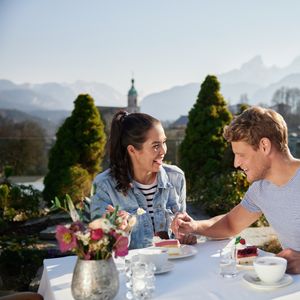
(95, 279)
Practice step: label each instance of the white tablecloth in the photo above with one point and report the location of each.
(195, 277)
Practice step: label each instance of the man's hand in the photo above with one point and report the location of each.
(183, 224)
(293, 259)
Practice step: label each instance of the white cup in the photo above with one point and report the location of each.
(158, 257)
(270, 269)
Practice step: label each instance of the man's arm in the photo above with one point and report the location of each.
(226, 225)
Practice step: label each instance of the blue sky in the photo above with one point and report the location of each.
(163, 42)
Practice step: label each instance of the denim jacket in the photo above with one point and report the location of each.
(168, 200)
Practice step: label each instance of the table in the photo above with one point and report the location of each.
(195, 277)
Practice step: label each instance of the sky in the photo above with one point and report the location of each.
(163, 43)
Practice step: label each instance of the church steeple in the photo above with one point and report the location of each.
(132, 99)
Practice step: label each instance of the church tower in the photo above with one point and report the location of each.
(132, 99)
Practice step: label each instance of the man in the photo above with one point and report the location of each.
(259, 142)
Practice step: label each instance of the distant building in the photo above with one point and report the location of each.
(175, 133)
(132, 106)
(107, 112)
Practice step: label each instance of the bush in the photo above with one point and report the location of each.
(222, 193)
(18, 200)
(18, 267)
(76, 183)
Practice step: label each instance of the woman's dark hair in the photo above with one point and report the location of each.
(126, 129)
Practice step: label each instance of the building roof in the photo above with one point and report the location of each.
(132, 91)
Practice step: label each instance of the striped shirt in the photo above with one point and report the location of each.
(148, 190)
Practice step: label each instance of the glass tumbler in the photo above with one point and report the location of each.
(228, 262)
(140, 279)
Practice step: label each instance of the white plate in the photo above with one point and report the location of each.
(186, 251)
(165, 268)
(249, 266)
(254, 281)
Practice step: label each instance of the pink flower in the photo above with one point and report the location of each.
(96, 234)
(66, 238)
(121, 246)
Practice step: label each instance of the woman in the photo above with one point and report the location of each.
(138, 179)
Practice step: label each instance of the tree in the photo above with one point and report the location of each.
(206, 157)
(77, 154)
(23, 147)
(290, 97)
(202, 150)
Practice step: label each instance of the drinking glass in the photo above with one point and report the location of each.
(140, 279)
(228, 262)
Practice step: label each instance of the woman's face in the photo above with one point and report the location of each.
(150, 157)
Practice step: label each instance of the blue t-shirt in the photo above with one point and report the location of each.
(281, 207)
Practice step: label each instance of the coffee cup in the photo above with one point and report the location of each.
(158, 257)
(270, 269)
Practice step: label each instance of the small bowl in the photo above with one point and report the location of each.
(270, 269)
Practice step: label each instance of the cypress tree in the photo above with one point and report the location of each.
(76, 156)
(206, 157)
(202, 150)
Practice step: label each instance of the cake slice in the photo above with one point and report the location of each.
(172, 245)
(244, 254)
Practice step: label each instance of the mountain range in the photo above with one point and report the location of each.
(253, 78)
(51, 96)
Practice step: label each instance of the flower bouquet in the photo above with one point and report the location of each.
(95, 275)
(98, 239)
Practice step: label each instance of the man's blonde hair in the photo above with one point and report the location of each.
(255, 123)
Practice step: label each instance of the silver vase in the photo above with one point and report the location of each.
(95, 280)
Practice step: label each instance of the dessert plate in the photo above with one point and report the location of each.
(185, 251)
(252, 279)
(167, 267)
(249, 266)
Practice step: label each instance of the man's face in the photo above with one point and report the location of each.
(254, 163)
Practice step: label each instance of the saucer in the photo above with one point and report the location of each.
(254, 281)
(167, 267)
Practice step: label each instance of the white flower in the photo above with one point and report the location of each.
(84, 237)
(140, 211)
(102, 223)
